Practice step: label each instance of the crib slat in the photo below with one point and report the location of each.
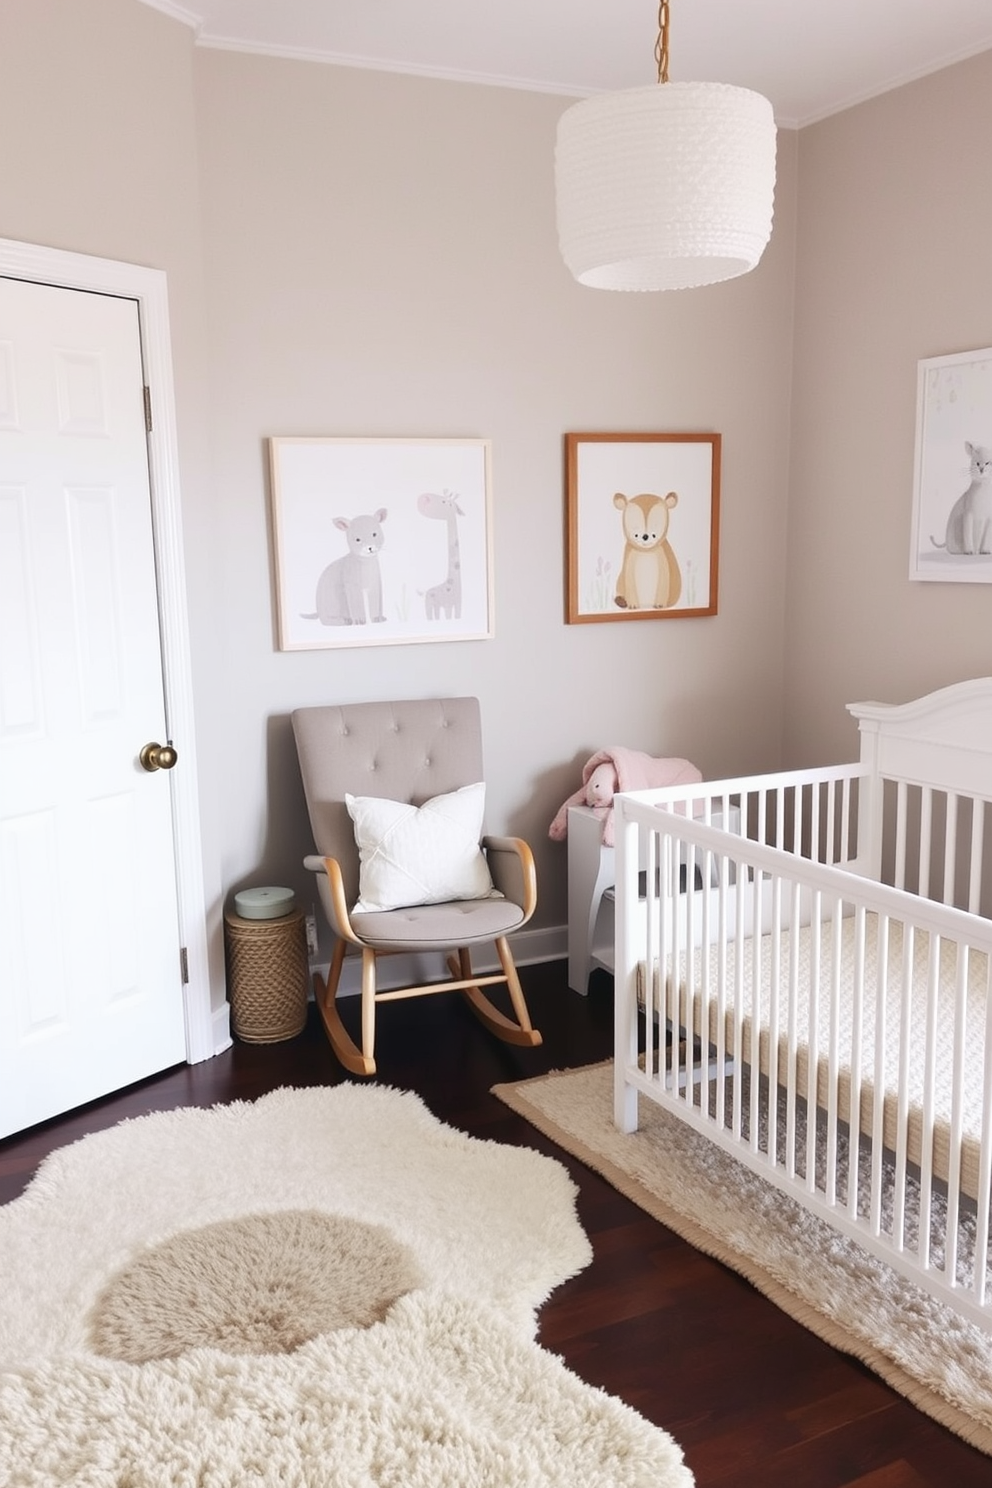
(689, 1063)
(926, 836)
(680, 996)
(833, 1052)
(738, 1014)
(813, 1037)
(901, 828)
(654, 1012)
(830, 855)
(950, 847)
(985, 1161)
(720, 1108)
(797, 821)
(753, 1018)
(878, 1097)
(774, 1002)
(929, 1088)
(977, 852)
(792, 1087)
(961, 977)
(857, 1035)
(902, 1126)
(707, 982)
(814, 823)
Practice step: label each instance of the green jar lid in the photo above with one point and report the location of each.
(264, 904)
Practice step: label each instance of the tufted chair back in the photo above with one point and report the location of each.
(402, 751)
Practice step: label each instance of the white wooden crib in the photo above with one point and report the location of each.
(837, 941)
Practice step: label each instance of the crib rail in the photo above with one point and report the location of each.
(831, 1031)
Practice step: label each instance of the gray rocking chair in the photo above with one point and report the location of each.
(409, 752)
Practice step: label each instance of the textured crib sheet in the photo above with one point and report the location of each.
(827, 1001)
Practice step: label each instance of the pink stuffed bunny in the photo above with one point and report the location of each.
(601, 786)
(610, 770)
(597, 792)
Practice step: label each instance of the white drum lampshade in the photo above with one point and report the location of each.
(665, 187)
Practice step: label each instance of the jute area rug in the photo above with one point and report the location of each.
(827, 1282)
(326, 1287)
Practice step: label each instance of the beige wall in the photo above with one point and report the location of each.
(894, 265)
(354, 252)
(381, 260)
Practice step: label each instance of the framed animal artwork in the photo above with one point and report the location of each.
(381, 542)
(952, 496)
(642, 526)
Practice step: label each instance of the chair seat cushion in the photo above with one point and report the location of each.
(427, 854)
(428, 927)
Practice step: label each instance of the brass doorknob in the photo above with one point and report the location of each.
(158, 757)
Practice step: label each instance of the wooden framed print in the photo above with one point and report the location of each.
(642, 526)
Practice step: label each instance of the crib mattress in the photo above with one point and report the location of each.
(816, 976)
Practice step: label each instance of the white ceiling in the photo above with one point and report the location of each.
(810, 57)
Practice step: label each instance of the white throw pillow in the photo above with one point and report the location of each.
(420, 854)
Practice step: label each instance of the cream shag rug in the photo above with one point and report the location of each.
(325, 1287)
(829, 1283)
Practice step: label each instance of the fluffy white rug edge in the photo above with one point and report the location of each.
(440, 1395)
(449, 1389)
(484, 1220)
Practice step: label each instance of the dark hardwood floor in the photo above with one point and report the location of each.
(753, 1398)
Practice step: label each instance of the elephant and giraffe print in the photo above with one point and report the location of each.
(349, 590)
(381, 542)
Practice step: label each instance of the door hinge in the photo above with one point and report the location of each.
(147, 394)
(184, 964)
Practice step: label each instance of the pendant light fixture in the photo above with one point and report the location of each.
(665, 187)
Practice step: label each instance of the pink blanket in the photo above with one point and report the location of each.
(634, 771)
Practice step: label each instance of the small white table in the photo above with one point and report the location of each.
(591, 880)
(591, 874)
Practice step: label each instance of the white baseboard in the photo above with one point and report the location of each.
(220, 1023)
(529, 948)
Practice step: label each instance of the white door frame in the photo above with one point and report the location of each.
(148, 288)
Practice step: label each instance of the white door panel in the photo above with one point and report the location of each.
(90, 981)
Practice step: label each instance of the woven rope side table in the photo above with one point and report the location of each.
(267, 977)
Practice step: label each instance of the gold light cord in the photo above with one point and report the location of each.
(661, 45)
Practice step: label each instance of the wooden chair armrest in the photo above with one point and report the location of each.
(511, 864)
(334, 900)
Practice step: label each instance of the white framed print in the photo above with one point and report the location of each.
(952, 495)
(381, 542)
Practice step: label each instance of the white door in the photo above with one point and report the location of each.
(90, 978)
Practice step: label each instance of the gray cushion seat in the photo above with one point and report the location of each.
(438, 927)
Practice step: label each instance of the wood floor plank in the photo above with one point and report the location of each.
(893, 1475)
